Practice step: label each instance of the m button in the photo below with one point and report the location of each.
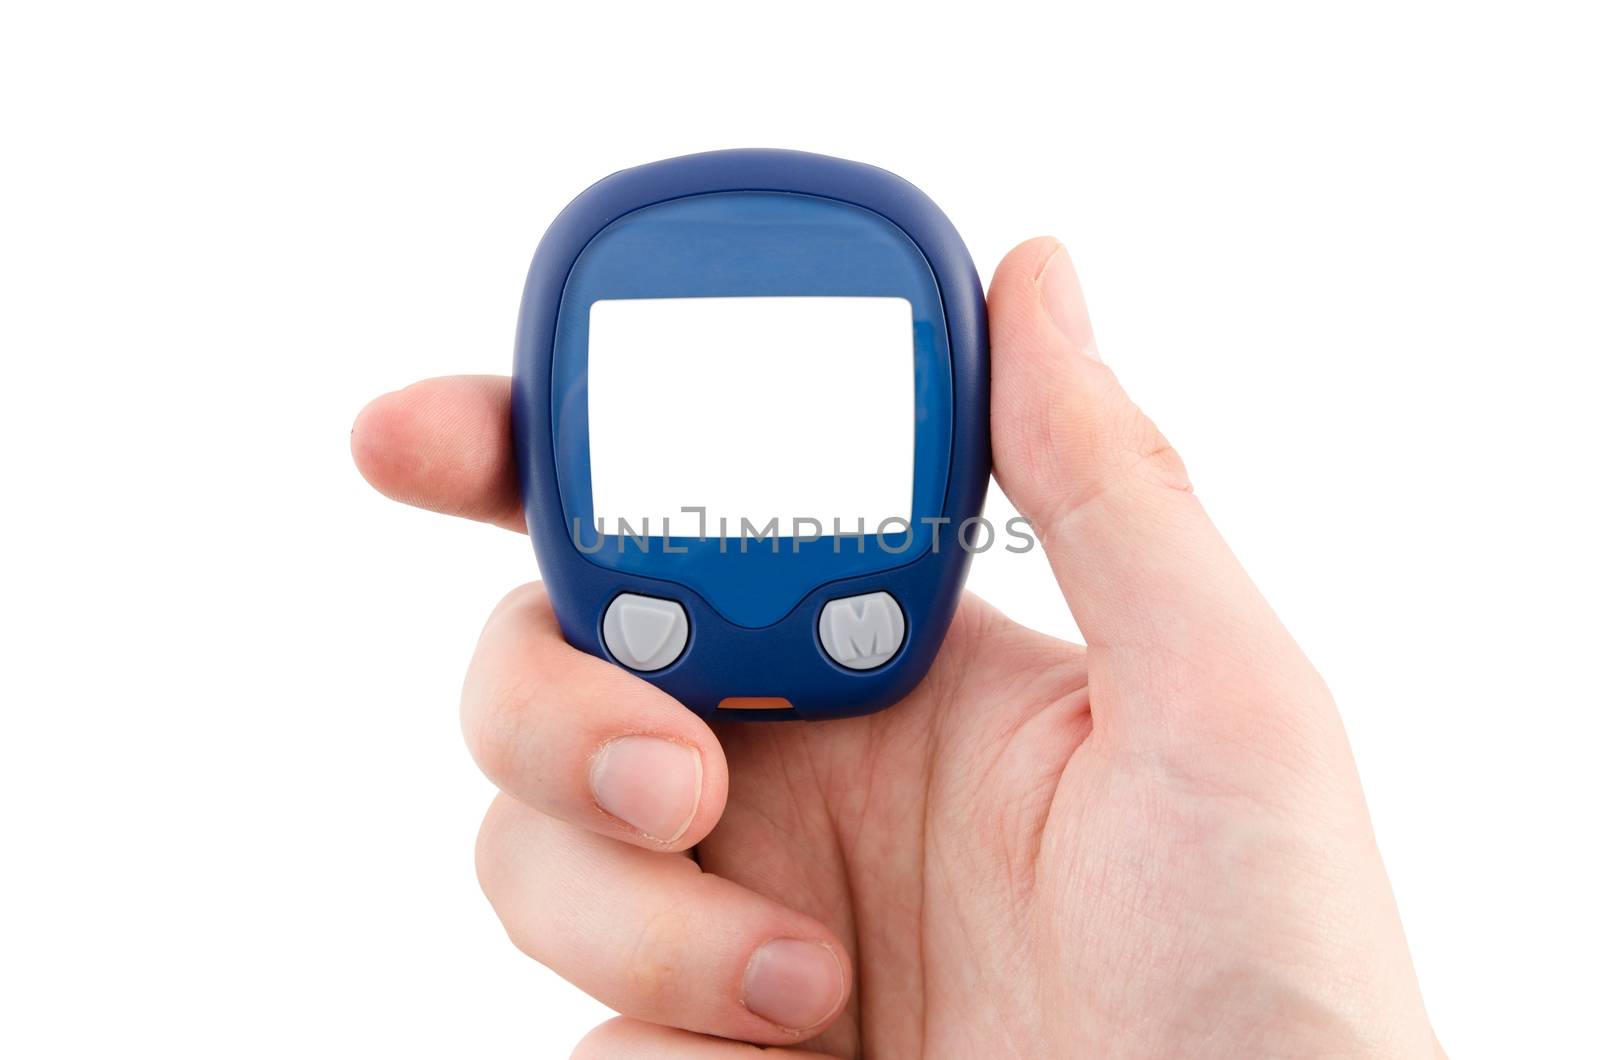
(862, 632)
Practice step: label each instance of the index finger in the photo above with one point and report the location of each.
(444, 445)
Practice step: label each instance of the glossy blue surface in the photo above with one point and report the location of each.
(868, 223)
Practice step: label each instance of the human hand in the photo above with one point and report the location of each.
(1155, 845)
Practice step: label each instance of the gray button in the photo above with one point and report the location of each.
(643, 632)
(862, 631)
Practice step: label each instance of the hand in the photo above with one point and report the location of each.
(1152, 846)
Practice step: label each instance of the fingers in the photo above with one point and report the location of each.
(655, 938)
(584, 741)
(590, 755)
(444, 445)
(1149, 580)
(625, 1039)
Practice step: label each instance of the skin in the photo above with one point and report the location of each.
(1154, 845)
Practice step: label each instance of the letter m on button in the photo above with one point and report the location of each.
(861, 632)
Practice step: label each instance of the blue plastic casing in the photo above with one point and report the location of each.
(749, 223)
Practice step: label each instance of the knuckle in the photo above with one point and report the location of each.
(496, 723)
(499, 693)
(489, 852)
(1154, 460)
(1135, 451)
(606, 1042)
(1126, 453)
(656, 967)
(527, 595)
(502, 875)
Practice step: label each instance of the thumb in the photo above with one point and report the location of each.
(1149, 580)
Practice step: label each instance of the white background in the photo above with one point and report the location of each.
(1346, 255)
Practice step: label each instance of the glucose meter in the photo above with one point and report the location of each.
(751, 419)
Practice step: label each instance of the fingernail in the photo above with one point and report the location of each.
(652, 784)
(793, 983)
(1063, 300)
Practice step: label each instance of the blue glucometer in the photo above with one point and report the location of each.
(751, 420)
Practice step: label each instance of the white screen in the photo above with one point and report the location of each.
(752, 408)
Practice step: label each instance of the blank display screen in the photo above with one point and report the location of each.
(753, 409)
